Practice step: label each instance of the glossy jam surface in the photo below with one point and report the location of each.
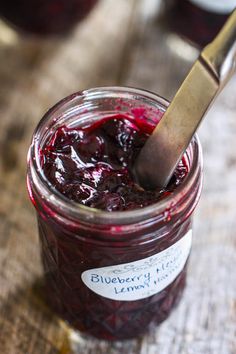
(45, 16)
(194, 23)
(93, 165)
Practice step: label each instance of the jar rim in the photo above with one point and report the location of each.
(81, 212)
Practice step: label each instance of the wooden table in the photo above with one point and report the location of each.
(122, 43)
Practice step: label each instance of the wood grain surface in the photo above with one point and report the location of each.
(121, 42)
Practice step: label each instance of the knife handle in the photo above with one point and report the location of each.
(220, 55)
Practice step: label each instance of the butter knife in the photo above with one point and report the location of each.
(163, 150)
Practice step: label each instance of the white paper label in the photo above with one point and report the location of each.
(218, 6)
(140, 279)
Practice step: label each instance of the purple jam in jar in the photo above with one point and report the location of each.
(114, 255)
(92, 165)
(45, 16)
(197, 20)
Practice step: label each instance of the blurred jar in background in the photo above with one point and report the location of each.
(198, 20)
(44, 17)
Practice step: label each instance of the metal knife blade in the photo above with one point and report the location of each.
(165, 147)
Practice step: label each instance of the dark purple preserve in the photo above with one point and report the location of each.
(45, 16)
(199, 20)
(92, 165)
(114, 254)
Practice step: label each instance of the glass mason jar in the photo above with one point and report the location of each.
(112, 274)
(45, 16)
(199, 20)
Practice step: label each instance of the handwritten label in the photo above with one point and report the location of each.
(140, 279)
(218, 6)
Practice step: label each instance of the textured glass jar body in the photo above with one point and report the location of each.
(197, 20)
(118, 252)
(45, 16)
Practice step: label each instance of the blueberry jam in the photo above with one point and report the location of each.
(45, 16)
(93, 165)
(197, 24)
(92, 214)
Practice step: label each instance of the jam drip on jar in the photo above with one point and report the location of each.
(92, 165)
